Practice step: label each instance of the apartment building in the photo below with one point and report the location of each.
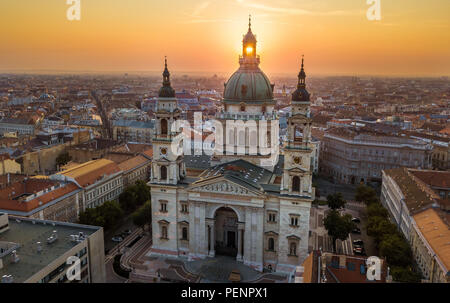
(133, 131)
(134, 169)
(415, 205)
(41, 198)
(352, 156)
(101, 180)
(38, 251)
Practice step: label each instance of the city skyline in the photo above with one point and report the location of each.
(411, 39)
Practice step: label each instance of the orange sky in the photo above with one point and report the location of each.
(413, 37)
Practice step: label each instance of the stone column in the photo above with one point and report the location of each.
(212, 252)
(240, 256)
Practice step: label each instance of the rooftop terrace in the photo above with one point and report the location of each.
(23, 235)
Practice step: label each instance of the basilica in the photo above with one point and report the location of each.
(251, 205)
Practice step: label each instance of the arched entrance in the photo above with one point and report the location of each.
(226, 232)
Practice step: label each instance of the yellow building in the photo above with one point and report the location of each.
(8, 165)
(430, 239)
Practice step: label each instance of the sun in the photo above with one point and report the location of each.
(249, 50)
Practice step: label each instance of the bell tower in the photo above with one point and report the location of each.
(167, 166)
(297, 173)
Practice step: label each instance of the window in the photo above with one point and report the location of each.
(163, 173)
(184, 208)
(184, 233)
(163, 126)
(272, 217)
(164, 232)
(296, 183)
(271, 244)
(293, 249)
(163, 208)
(294, 220)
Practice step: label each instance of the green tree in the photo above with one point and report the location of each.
(128, 199)
(88, 217)
(111, 212)
(63, 159)
(377, 210)
(396, 250)
(143, 215)
(338, 226)
(142, 191)
(405, 275)
(336, 201)
(366, 194)
(379, 228)
(106, 215)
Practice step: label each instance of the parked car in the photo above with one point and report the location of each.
(358, 243)
(359, 251)
(117, 239)
(356, 220)
(356, 231)
(127, 232)
(235, 276)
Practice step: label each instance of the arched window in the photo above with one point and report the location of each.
(163, 126)
(271, 244)
(296, 183)
(253, 138)
(231, 137)
(164, 232)
(163, 172)
(242, 108)
(184, 233)
(293, 249)
(242, 138)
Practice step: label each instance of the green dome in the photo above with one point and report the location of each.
(248, 86)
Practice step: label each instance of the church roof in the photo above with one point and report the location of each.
(242, 173)
(248, 86)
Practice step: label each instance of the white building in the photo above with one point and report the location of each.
(245, 205)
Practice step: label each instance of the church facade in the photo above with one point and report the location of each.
(249, 204)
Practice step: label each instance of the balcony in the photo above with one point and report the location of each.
(246, 117)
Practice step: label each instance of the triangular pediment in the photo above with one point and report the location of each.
(297, 170)
(222, 186)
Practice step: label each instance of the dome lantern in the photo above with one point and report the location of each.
(301, 94)
(166, 91)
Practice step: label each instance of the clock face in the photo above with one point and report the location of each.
(163, 151)
(297, 160)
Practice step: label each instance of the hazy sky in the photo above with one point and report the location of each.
(413, 37)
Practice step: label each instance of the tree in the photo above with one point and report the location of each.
(143, 215)
(396, 250)
(405, 275)
(142, 192)
(377, 210)
(128, 199)
(111, 212)
(106, 215)
(134, 196)
(336, 201)
(338, 226)
(63, 159)
(379, 227)
(366, 194)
